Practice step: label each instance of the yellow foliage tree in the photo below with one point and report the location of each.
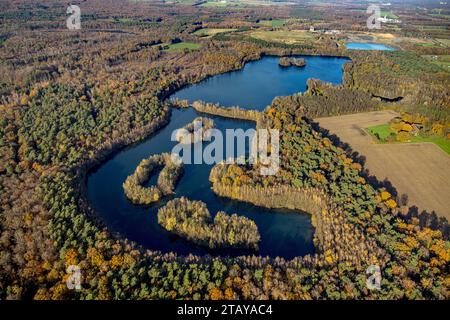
(229, 294)
(403, 136)
(391, 203)
(385, 195)
(71, 257)
(24, 100)
(406, 127)
(437, 129)
(215, 294)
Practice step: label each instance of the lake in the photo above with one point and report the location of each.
(284, 233)
(368, 46)
(255, 85)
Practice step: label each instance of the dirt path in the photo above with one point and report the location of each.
(420, 170)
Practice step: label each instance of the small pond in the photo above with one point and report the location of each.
(255, 85)
(368, 46)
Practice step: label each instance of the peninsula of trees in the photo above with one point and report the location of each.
(192, 220)
(134, 185)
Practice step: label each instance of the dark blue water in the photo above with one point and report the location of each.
(283, 232)
(368, 46)
(255, 85)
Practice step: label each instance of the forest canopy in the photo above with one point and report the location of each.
(71, 99)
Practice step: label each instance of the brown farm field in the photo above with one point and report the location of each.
(419, 170)
(284, 36)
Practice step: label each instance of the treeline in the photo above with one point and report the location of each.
(323, 99)
(134, 185)
(227, 112)
(61, 124)
(192, 220)
(421, 85)
(179, 103)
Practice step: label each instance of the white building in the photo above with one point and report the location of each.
(386, 20)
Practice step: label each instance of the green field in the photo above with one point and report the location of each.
(388, 14)
(275, 23)
(442, 61)
(209, 32)
(125, 20)
(181, 46)
(441, 142)
(430, 44)
(382, 131)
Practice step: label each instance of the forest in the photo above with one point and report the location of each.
(345, 208)
(71, 99)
